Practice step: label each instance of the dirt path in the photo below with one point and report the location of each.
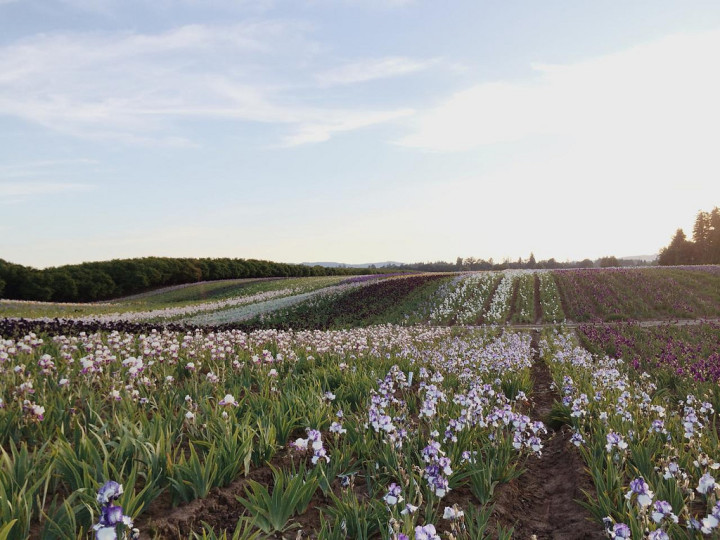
(648, 323)
(538, 305)
(542, 502)
(513, 301)
(221, 509)
(162, 290)
(488, 301)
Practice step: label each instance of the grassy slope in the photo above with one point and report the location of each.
(193, 294)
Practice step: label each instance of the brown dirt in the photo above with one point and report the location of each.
(538, 305)
(513, 301)
(488, 301)
(543, 501)
(220, 509)
(563, 297)
(646, 323)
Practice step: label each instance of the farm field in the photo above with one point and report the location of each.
(173, 302)
(640, 293)
(426, 406)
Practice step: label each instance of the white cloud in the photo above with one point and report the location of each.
(21, 180)
(660, 93)
(606, 156)
(137, 88)
(319, 132)
(368, 70)
(33, 168)
(25, 189)
(371, 4)
(111, 7)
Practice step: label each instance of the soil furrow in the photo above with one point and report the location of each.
(542, 503)
(488, 301)
(513, 301)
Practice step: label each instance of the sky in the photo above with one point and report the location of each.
(355, 131)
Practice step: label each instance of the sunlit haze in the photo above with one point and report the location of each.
(354, 131)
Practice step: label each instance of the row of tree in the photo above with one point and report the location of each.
(704, 248)
(471, 263)
(91, 281)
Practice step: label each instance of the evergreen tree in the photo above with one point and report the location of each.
(714, 237)
(680, 251)
(701, 237)
(532, 263)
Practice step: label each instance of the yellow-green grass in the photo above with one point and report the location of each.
(192, 294)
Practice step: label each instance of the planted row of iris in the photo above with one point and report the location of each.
(385, 430)
(462, 300)
(493, 298)
(280, 303)
(639, 293)
(673, 354)
(386, 301)
(170, 305)
(653, 454)
(524, 309)
(550, 301)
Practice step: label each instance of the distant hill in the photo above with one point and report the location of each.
(648, 258)
(343, 265)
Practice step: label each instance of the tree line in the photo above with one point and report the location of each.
(472, 264)
(91, 281)
(704, 248)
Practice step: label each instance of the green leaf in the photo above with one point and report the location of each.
(5, 531)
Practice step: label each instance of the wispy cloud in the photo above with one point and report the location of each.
(112, 7)
(26, 189)
(371, 4)
(322, 131)
(662, 92)
(21, 180)
(41, 167)
(138, 88)
(368, 70)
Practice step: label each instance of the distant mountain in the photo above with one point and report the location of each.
(363, 265)
(648, 258)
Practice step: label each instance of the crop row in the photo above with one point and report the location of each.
(523, 310)
(171, 305)
(460, 301)
(653, 454)
(386, 301)
(465, 299)
(625, 294)
(671, 353)
(435, 299)
(550, 301)
(369, 430)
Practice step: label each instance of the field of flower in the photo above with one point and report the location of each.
(325, 302)
(523, 307)
(653, 453)
(460, 301)
(399, 407)
(173, 302)
(359, 303)
(672, 353)
(362, 431)
(640, 293)
(550, 302)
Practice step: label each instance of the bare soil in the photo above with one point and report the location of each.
(538, 305)
(513, 301)
(220, 509)
(542, 503)
(486, 306)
